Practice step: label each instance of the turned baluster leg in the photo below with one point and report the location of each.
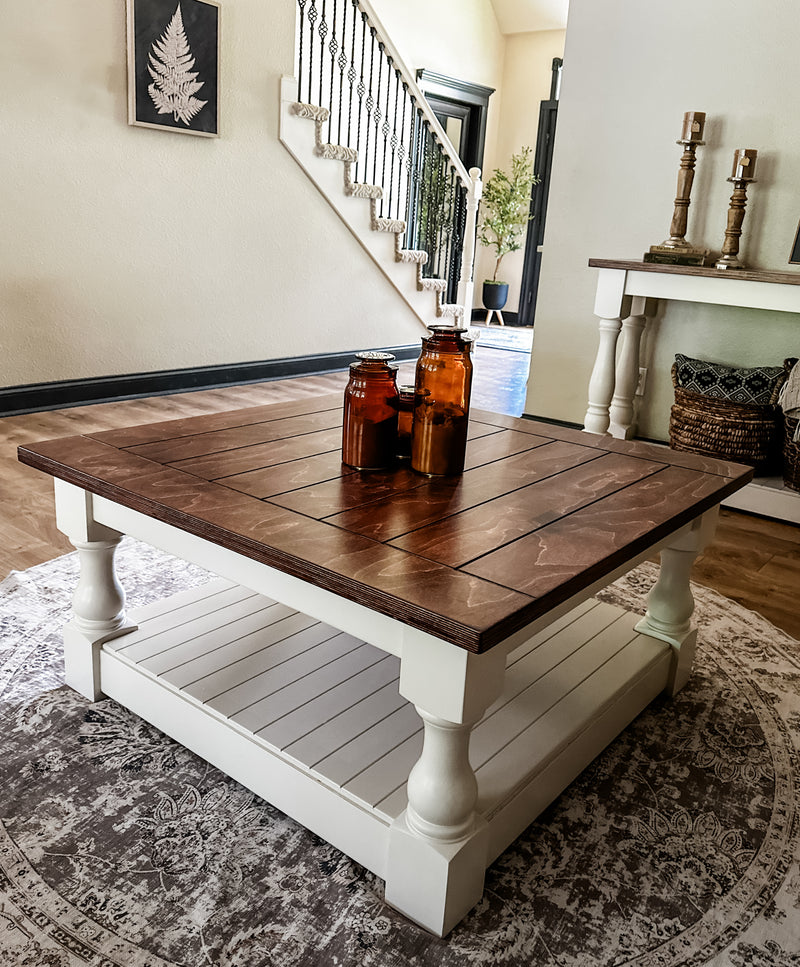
(611, 305)
(601, 382)
(442, 788)
(98, 604)
(438, 845)
(626, 379)
(670, 604)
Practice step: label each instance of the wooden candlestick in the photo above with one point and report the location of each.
(733, 231)
(680, 214)
(676, 249)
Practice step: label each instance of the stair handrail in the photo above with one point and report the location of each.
(417, 93)
(436, 196)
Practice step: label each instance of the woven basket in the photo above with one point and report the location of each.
(791, 454)
(728, 431)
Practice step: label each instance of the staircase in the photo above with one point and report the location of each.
(355, 120)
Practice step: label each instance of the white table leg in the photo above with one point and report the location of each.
(627, 371)
(610, 305)
(438, 846)
(670, 604)
(98, 604)
(601, 383)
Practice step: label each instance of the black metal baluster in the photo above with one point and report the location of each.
(322, 33)
(361, 90)
(410, 162)
(351, 73)
(333, 47)
(370, 103)
(415, 162)
(302, 5)
(312, 19)
(451, 213)
(401, 153)
(393, 144)
(376, 114)
(426, 197)
(441, 235)
(386, 130)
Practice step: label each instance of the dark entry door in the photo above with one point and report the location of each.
(543, 160)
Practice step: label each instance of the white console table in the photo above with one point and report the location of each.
(626, 296)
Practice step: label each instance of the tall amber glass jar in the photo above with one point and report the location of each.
(369, 431)
(441, 402)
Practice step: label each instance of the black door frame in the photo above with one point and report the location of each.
(543, 161)
(463, 99)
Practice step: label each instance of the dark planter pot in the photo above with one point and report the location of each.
(495, 295)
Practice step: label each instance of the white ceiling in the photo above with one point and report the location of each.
(521, 16)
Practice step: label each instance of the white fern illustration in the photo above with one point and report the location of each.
(170, 65)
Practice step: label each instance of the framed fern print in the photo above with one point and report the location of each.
(173, 65)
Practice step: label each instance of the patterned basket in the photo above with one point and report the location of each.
(749, 434)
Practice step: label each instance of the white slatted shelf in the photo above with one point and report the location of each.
(322, 703)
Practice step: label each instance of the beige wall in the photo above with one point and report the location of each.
(525, 83)
(127, 250)
(631, 71)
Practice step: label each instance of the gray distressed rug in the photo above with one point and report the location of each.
(679, 845)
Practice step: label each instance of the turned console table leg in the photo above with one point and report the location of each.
(437, 849)
(98, 604)
(611, 306)
(670, 604)
(626, 378)
(601, 383)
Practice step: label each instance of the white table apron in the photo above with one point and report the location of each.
(420, 760)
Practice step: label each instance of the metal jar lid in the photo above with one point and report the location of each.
(374, 357)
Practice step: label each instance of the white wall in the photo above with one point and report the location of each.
(129, 250)
(631, 70)
(525, 83)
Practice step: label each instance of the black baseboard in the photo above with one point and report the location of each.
(35, 397)
(567, 424)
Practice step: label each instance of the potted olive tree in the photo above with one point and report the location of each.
(505, 213)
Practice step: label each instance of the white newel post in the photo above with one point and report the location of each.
(466, 284)
(98, 605)
(438, 846)
(670, 603)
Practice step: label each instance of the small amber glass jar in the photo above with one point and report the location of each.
(405, 418)
(369, 431)
(441, 402)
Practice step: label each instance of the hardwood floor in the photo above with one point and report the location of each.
(752, 560)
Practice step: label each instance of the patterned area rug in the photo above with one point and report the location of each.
(679, 845)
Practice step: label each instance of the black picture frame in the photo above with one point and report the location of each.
(794, 255)
(160, 35)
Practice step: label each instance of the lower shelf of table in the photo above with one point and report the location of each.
(310, 718)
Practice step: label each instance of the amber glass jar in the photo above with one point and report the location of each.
(369, 431)
(405, 418)
(441, 402)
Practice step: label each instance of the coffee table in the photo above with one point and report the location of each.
(412, 668)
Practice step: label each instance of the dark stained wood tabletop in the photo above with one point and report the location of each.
(540, 512)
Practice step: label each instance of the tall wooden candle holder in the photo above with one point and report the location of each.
(676, 250)
(744, 169)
